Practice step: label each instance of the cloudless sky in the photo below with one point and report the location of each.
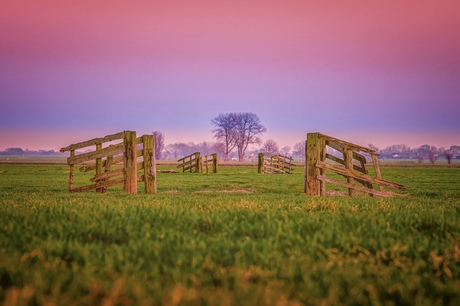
(380, 72)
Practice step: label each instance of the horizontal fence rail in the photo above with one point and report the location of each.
(277, 164)
(328, 154)
(197, 163)
(190, 163)
(105, 162)
(209, 163)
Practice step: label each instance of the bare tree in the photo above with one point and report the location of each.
(270, 147)
(449, 155)
(372, 147)
(432, 156)
(224, 132)
(420, 158)
(299, 149)
(285, 150)
(248, 129)
(159, 144)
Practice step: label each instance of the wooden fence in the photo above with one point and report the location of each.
(209, 163)
(107, 159)
(190, 163)
(275, 164)
(349, 164)
(195, 163)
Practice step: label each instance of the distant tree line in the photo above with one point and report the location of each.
(424, 152)
(21, 152)
(236, 132)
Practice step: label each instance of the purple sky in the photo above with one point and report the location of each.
(380, 72)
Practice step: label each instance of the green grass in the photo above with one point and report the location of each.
(236, 237)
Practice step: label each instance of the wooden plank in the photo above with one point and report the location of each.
(357, 175)
(346, 144)
(340, 148)
(110, 150)
(190, 167)
(99, 165)
(72, 171)
(150, 181)
(93, 142)
(348, 157)
(91, 167)
(107, 175)
(335, 158)
(129, 162)
(376, 168)
(359, 188)
(274, 169)
(102, 184)
(313, 154)
(189, 156)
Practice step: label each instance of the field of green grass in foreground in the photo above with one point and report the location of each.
(232, 238)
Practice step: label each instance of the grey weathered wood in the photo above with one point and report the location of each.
(150, 185)
(94, 141)
(107, 175)
(359, 188)
(102, 184)
(313, 155)
(110, 150)
(91, 167)
(358, 175)
(130, 162)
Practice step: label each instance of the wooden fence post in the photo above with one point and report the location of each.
(130, 162)
(198, 168)
(150, 179)
(99, 165)
(312, 156)
(348, 158)
(260, 166)
(72, 171)
(214, 162)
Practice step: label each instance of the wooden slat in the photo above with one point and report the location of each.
(340, 148)
(188, 156)
(72, 171)
(107, 175)
(357, 175)
(359, 188)
(140, 165)
(190, 167)
(274, 168)
(93, 142)
(130, 163)
(377, 169)
(150, 181)
(346, 144)
(111, 150)
(285, 166)
(102, 184)
(92, 166)
(312, 186)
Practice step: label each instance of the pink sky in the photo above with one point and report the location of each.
(380, 72)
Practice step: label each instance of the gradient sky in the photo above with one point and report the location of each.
(380, 72)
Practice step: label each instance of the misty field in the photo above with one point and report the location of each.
(232, 238)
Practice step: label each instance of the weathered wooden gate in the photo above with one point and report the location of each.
(209, 163)
(107, 158)
(274, 164)
(349, 164)
(190, 163)
(196, 163)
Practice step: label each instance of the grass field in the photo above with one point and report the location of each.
(232, 238)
